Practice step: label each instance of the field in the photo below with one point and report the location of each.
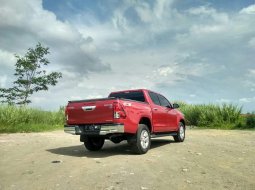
(24, 119)
(225, 116)
(207, 159)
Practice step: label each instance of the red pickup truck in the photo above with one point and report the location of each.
(132, 115)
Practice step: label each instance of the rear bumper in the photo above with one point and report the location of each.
(101, 129)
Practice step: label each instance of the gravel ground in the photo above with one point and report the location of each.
(208, 159)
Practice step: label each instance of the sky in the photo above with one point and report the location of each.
(194, 51)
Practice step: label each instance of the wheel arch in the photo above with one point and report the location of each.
(183, 121)
(146, 121)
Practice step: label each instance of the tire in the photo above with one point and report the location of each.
(142, 140)
(93, 143)
(180, 133)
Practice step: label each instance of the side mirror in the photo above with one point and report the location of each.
(175, 105)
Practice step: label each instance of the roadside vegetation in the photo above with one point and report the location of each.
(23, 119)
(225, 116)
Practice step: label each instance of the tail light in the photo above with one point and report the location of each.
(66, 114)
(118, 111)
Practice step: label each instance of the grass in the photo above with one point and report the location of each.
(250, 120)
(226, 116)
(23, 119)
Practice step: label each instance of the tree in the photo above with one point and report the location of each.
(31, 77)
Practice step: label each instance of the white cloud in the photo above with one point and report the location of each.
(144, 12)
(247, 100)
(22, 24)
(252, 72)
(7, 59)
(205, 12)
(202, 10)
(119, 21)
(161, 7)
(223, 100)
(209, 29)
(93, 96)
(248, 10)
(165, 71)
(38, 100)
(75, 98)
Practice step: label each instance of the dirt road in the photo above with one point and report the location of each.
(208, 159)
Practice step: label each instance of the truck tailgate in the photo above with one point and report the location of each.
(90, 111)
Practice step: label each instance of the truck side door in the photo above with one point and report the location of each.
(159, 114)
(171, 114)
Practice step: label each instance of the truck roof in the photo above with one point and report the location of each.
(141, 89)
(130, 90)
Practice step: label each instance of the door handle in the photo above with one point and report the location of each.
(155, 109)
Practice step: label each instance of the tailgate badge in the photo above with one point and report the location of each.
(88, 108)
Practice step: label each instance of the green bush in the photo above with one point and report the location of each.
(225, 116)
(25, 119)
(250, 120)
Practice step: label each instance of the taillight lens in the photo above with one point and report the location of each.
(66, 114)
(118, 111)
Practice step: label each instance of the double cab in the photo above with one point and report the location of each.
(132, 115)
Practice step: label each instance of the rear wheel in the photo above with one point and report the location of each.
(142, 141)
(180, 133)
(93, 143)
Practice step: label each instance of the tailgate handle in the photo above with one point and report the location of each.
(88, 108)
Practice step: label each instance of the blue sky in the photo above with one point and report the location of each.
(196, 51)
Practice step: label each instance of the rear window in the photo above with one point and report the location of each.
(132, 95)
